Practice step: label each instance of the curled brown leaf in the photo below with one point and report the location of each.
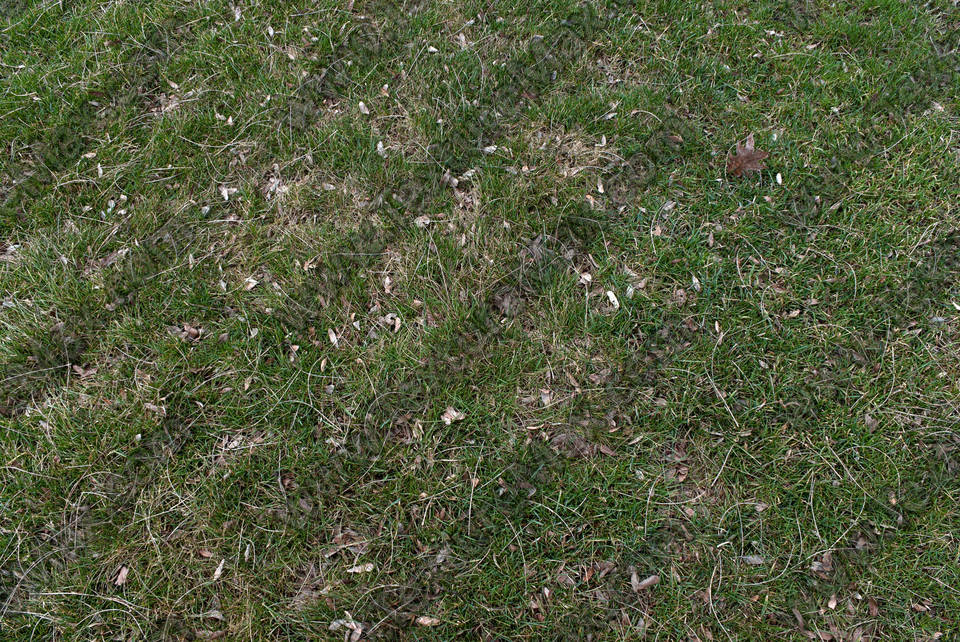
(746, 159)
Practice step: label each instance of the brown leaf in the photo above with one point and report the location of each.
(588, 573)
(823, 566)
(605, 567)
(607, 450)
(746, 159)
(564, 579)
(799, 617)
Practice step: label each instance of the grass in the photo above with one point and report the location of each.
(478, 357)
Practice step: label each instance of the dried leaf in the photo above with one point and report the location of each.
(649, 582)
(355, 628)
(613, 299)
(799, 617)
(572, 445)
(588, 573)
(423, 620)
(152, 407)
(121, 578)
(678, 472)
(746, 159)
(361, 568)
(605, 567)
(451, 415)
(824, 565)
(754, 560)
(217, 573)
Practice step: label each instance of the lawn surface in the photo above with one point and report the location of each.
(385, 319)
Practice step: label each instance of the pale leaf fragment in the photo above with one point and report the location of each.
(451, 415)
(649, 582)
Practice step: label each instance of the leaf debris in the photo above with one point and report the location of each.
(746, 159)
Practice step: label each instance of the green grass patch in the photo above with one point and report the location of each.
(433, 319)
